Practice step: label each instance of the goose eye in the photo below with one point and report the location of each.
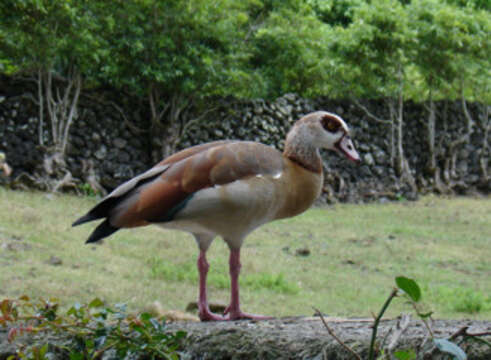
(330, 124)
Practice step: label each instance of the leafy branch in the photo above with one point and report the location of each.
(89, 330)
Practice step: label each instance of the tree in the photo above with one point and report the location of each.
(335, 13)
(56, 40)
(174, 53)
(368, 60)
(290, 51)
(451, 51)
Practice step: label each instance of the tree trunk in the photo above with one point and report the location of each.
(451, 160)
(61, 101)
(484, 151)
(432, 166)
(401, 166)
(40, 104)
(168, 121)
(430, 138)
(398, 149)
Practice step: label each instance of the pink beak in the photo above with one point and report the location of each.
(345, 146)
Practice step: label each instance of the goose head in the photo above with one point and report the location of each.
(324, 130)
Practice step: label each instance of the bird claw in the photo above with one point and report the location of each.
(207, 315)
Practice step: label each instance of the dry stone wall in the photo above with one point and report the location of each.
(111, 139)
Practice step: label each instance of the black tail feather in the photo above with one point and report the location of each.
(86, 218)
(103, 230)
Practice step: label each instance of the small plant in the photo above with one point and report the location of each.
(87, 190)
(400, 197)
(411, 291)
(87, 331)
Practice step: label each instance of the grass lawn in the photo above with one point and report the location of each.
(355, 253)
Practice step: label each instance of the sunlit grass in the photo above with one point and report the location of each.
(355, 253)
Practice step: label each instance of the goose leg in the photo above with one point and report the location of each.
(233, 310)
(204, 310)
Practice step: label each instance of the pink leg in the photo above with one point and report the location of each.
(204, 311)
(233, 310)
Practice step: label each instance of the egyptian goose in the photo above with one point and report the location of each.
(226, 188)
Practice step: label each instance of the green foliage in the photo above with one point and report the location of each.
(86, 190)
(413, 292)
(405, 354)
(87, 331)
(410, 287)
(334, 13)
(219, 277)
(49, 36)
(369, 55)
(256, 48)
(182, 47)
(450, 46)
(289, 51)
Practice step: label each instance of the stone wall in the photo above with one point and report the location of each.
(111, 137)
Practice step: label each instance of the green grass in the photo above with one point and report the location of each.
(355, 253)
(219, 277)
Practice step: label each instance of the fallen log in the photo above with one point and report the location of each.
(307, 338)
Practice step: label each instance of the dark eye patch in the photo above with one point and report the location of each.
(330, 124)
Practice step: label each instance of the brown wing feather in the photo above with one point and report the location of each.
(191, 151)
(212, 164)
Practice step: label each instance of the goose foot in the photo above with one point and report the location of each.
(207, 315)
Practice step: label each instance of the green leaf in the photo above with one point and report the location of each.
(71, 311)
(425, 315)
(76, 356)
(43, 350)
(410, 287)
(450, 348)
(405, 354)
(96, 303)
(145, 316)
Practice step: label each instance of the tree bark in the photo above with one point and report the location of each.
(451, 162)
(432, 166)
(485, 127)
